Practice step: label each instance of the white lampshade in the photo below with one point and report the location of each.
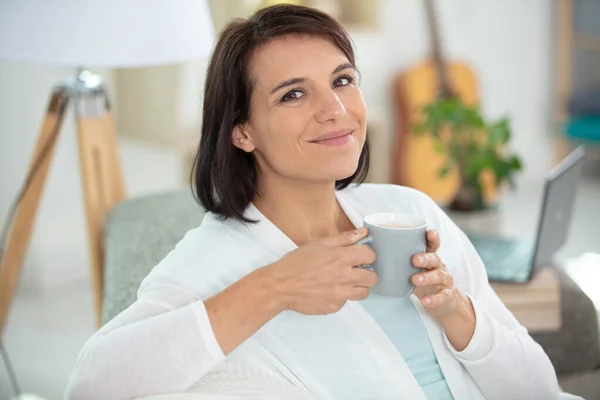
(105, 33)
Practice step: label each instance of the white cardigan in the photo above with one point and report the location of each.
(164, 343)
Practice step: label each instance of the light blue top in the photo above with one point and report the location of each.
(401, 322)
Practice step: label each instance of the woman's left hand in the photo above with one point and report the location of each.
(435, 288)
(435, 285)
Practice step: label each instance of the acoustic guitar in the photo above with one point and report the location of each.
(415, 162)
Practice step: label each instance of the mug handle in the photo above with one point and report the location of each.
(365, 240)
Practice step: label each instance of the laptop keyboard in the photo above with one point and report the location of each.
(505, 259)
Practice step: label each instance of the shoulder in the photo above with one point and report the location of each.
(199, 256)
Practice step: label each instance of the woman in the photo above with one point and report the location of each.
(263, 298)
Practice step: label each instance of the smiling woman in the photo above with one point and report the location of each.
(264, 299)
(300, 89)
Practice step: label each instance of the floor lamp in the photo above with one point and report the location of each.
(90, 33)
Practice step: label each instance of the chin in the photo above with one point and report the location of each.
(343, 169)
(333, 166)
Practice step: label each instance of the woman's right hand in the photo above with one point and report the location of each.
(318, 278)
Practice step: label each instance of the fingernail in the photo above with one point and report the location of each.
(422, 260)
(427, 300)
(359, 231)
(420, 279)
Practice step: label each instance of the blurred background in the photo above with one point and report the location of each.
(534, 63)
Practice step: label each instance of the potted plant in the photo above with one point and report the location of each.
(471, 145)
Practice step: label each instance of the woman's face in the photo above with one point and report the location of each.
(307, 114)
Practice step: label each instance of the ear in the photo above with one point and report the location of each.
(241, 139)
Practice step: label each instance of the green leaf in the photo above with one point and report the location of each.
(439, 147)
(420, 129)
(444, 171)
(473, 119)
(499, 133)
(515, 163)
(477, 162)
(435, 131)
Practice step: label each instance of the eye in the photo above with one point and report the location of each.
(292, 95)
(343, 80)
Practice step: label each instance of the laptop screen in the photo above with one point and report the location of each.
(557, 207)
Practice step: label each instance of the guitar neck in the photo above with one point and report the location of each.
(445, 89)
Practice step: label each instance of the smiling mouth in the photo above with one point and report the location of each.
(335, 138)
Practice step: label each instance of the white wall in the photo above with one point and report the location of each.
(24, 95)
(161, 105)
(508, 43)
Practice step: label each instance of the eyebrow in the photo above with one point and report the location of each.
(294, 81)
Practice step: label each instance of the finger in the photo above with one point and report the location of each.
(364, 278)
(359, 254)
(433, 241)
(438, 276)
(359, 293)
(441, 298)
(427, 260)
(347, 238)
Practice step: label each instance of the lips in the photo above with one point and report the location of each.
(333, 136)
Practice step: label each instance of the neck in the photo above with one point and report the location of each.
(304, 211)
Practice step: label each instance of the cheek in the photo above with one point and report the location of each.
(280, 140)
(286, 128)
(358, 107)
(357, 110)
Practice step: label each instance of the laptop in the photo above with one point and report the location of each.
(516, 260)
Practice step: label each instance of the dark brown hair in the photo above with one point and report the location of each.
(223, 176)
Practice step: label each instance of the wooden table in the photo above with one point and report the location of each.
(536, 305)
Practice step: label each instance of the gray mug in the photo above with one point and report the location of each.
(395, 239)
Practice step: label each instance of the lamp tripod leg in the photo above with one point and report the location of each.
(19, 232)
(101, 177)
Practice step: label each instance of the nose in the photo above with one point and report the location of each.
(330, 107)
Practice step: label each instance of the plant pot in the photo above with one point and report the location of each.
(468, 198)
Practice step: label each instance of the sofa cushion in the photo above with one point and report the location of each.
(139, 233)
(576, 346)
